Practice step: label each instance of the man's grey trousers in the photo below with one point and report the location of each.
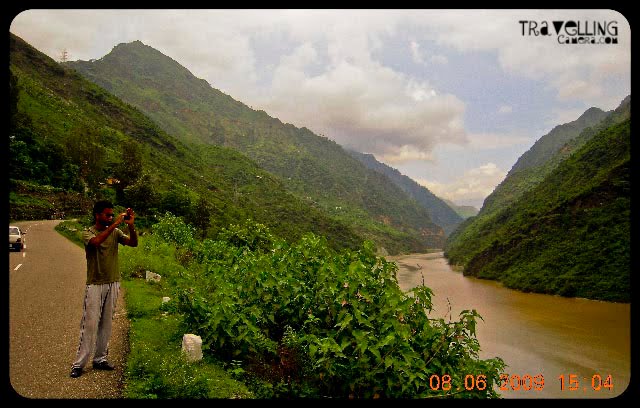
(95, 326)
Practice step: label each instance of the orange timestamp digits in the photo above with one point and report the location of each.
(437, 382)
(571, 382)
(471, 382)
(526, 382)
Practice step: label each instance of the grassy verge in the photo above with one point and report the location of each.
(72, 230)
(156, 366)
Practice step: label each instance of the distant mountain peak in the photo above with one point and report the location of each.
(550, 143)
(136, 43)
(626, 100)
(127, 47)
(589, 116)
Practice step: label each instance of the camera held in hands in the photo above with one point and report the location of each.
(128, 216)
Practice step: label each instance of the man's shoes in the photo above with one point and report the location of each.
(103, 366)
(75, 372)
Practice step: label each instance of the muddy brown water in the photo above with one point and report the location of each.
(580, 348)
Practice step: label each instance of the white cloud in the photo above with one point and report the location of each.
(471, 188)
(439, 59)
(367, 107)
(505, 109)
(480, 141)
(576, 72)
(348, 95)
(416, 55)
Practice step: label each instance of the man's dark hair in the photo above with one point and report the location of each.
(99, 206)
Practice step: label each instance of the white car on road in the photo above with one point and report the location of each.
(16, 238)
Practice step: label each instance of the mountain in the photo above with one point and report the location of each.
(565, 228)
(69, 138)
(464, 211)
(540, 160)
(440, 212)
(313, 168)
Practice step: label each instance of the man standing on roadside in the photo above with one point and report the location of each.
(103, 283)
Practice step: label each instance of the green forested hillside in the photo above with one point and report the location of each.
(538, 161)
(569, 234)
(69, 138)
(440, 212)
(314, 168)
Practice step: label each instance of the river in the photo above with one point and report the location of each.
(584, 343)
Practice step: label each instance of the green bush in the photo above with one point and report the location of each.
(305, 320)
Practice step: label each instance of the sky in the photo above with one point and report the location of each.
(450, 98)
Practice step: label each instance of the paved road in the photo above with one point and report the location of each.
(46, 289)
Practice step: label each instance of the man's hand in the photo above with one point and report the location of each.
(132, 240)
(132, 216)
(119, 219)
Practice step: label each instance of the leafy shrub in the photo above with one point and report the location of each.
(315, 322)
(253, 236)
(174, 230)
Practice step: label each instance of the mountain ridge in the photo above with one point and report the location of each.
(312, 167)
(68, 136)
(559, 135)
(441, 213)
(566, 229)
(545, 154)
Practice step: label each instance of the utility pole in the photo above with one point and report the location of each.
(64, 56)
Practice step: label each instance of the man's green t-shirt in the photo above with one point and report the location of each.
(102, 262)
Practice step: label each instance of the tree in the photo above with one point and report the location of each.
(14, 96)
(202, 216)
(82, 147)
(177, 201)
(130, 167)
(142, 195)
